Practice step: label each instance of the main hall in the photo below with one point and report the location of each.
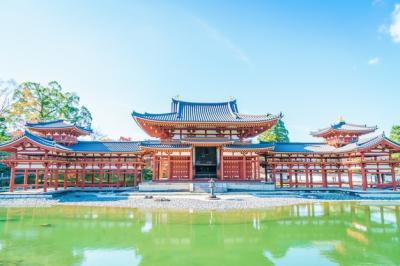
(196, 142)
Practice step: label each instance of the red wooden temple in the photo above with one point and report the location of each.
(196, 142)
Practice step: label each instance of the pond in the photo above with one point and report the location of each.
(328, 233)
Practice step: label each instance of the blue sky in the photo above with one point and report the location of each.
(312, 60)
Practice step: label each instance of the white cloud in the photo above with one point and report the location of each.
(373, 61)
(394, 28)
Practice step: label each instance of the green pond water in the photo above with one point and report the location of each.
(311, 234)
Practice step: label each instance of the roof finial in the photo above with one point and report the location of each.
(176, 97)
(340, 119)
(230, 98)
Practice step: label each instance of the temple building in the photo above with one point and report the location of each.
(195, 142)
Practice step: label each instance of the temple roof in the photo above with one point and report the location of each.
(57, 124)
(182, 111)
(106, 146)
(344, 127)
(307, 147)
(36, 139)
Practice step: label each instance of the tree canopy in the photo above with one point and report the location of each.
(277, 133)
(35, 102)
(395, 133)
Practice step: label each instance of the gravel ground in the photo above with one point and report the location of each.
(175, 202)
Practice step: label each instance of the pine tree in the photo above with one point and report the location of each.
(277, 133)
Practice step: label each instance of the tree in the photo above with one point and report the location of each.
(7, 88)
(35, 102)
(395, 133)
(277, 133)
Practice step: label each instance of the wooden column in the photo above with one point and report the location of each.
(393, 172)
(274, 174)
(364, 177)
(243, 166)
(307, 176)
(56, 179)
(25, 179)
(12, 177)
(281, 179)
(154, 177)
(101, 175)
(118, 175)
(324, 176)
(169, 167)
(45, 177)
(191, 165)
(92, 176)
(135, 175)
(36, 179)
(339, 174)
(290, 176)
(65, 179)
(378, 177)
(311, 179)
(350, 176)
(83, 176)
(221, 157)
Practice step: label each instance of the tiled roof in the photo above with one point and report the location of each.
(263, 145)
(106, 146)
(160, 145)
(39, 140)
(55, 124)
(205, 112)
(345, 127)
(301, 147)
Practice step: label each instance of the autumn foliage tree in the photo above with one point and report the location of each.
(35, 102)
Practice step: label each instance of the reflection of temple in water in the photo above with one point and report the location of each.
(345, 233)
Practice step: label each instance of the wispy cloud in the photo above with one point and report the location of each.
(221, 38)
(374, 61)
(394, 29)
(377, 2)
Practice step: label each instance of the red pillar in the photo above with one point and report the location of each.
(56, 179)
(45, 177)
(324, 177)
(191, 165)
(339, 174)
(135, 175)
(393, 172)
(118, 175)
(350, 175)
(76, 178)
(154, 177)
(364, 177)
(25, 179)
(36, 179)
(221, 157)
(92, 176)
(244, 167)
(83, 176)
(290, 176)
(274, 174)
(12, 178)
(307, 176)
(65, 180)
(169, 167)
(101, 175)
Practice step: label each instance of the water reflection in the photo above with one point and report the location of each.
(322, 234)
